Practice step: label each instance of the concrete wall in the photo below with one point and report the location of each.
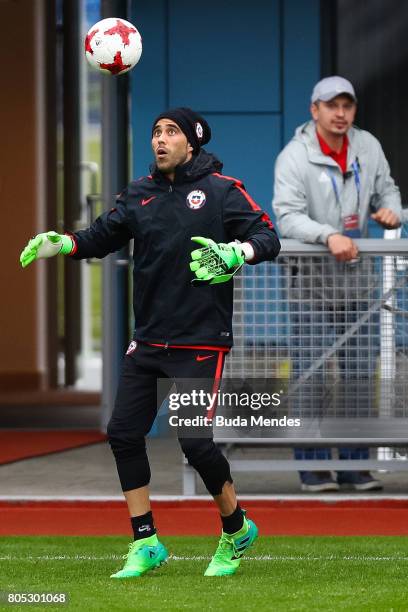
(22, 180)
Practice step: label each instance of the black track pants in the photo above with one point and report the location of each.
(136, 408)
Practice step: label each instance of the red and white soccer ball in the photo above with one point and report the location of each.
(113, 46)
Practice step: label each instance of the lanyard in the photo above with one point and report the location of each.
(356, 174)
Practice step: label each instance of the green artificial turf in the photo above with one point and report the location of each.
(281, 574)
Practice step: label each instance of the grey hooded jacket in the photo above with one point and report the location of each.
(305, 201)
(308, 210)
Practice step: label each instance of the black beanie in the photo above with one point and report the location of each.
(195, 128)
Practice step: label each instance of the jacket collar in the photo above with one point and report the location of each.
(200, 165)
(306, 134)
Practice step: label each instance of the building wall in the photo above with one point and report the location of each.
(268, 51)
(248, 68)
(21, 194)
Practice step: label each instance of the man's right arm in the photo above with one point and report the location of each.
(107, 234)
(290, 205)
(342, 247)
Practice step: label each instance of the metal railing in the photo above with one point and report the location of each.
(335, 336)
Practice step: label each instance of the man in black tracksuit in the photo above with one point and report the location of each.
(181, 330)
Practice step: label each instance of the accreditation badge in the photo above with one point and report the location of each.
(351, 226)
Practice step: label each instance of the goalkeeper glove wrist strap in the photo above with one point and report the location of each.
(248, 251)
(67, 244)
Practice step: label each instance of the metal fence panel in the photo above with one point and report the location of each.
(336, 332)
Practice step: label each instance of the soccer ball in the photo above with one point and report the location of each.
(113, 46)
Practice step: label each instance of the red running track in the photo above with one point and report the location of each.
(19, 445)
(199, 517)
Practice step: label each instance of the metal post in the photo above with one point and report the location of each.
(387, 339)
(115, 165)
(51, 191)
(72, 207)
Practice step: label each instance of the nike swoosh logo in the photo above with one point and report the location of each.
(204, 357)
(147, 200)
(144, 528)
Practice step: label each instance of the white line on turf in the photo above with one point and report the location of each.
(204, 558)
(186, 498)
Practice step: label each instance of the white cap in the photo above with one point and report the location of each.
(333, 86)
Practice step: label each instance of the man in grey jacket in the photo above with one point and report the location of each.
(329, 179)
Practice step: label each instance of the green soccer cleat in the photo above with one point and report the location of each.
(144, 555)
(231, 548)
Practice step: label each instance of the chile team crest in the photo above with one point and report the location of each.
(196, 199)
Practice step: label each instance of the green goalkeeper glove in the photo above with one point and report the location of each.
(46, 245)
(215, 263)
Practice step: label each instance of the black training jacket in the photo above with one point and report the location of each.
(162, 217)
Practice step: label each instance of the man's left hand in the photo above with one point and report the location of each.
(386, 218)
(215, 263)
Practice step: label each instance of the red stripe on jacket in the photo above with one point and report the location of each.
(239, 185)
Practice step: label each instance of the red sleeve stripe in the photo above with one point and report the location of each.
(141, 178)
(228, 178)
(239, 185)
(265, 217)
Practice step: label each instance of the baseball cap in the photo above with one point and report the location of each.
(333, 86)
